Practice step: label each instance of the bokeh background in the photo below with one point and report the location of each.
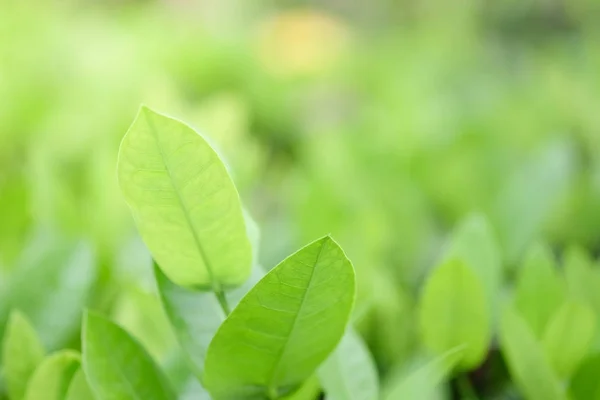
(385, 123)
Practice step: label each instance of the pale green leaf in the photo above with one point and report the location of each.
(184, 203)
(453, 312)
(284, 327)
(79, 389)
(527, 363)
(539, 289)
(310, 390)
(473, 242)
(583, 281)
(117, 366)
(22, 353)
(568, 337)
(196, 316)
(51, 379)
(424, 383)
(51, 285)
(349, 373)
(585, 384)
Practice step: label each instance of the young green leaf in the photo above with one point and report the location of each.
(453, 312)
(184, 203)
(585, 384)
(423, 384)
(568, 337)
(583, 281)
(526, 360)
(349, 373)
(195, 318)
(473, 242)
(51, 379)
(79, 389)
(22, 353)
(284, 327)
(540, 291)
(117, 366)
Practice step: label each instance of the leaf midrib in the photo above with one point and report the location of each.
(275, 371)
(214, 283)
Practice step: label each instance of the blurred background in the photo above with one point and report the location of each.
(385, 123)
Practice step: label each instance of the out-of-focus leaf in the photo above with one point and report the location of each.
(52, 377)
(349, 373)
(453, 312)
(539, 289)
(194, 391)
(79, 389)
(284, 327)
(51, 285)
(117, 366)
(585, 384)
(310, 390)
(526, 360)
(184, 203)
(568, 337)
(22, 353)
(424, 383)
(473, 242)
(582, 281)
(529, 196)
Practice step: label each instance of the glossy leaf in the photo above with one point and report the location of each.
(22, 353)
(117, 366)
(349, 373)
(453, 312)
(528, 365)
(539, 289)
(424, 383)
(585, 384)
(284, 327)
(568, 337)
(473, 242)
(79, 389)
(51, 379)
(184, 203)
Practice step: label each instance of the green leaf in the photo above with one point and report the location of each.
(349, 373)
(453, 312)
(51, 379)
(51, 285)
(196, 316)
(473, 242)
(22, 353)
(583, 281)
(526, 360)
(284, 327)
(539, 289)
(184, 203)
(117, 366)
(568, 337)
(79, 389)
(423, 384)
(585, 384)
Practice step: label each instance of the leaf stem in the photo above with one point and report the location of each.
(220, 294)
(465, 388)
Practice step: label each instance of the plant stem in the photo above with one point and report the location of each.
(465, 388)
(220, 294)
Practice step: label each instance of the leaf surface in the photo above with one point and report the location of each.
(184, 202)
(51, 379)
(21, 355)
(117, 366)
(284, 328)
(349, 373)
(453, 312)
(79, 389)
(526, 360)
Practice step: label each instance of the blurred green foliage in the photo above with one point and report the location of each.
(392, 125)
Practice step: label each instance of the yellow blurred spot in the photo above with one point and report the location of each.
(301, 42)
